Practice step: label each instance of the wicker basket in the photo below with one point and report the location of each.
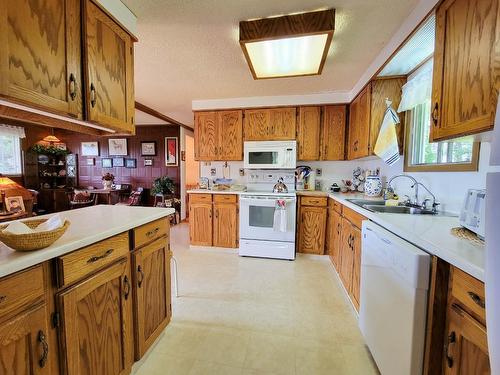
(32, 241)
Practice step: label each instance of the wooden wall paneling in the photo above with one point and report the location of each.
(256, 124)
(206, 135)
(230, 135)
(108, 56)
(382, 89)
(466, 76)
(308, 140)
(333, 132)
(282, 123)
(40, 59)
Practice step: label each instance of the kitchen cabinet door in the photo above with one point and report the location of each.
(282, 124)
(333, 132)
(356, 266)
(359, 125)
(225, 225)
(312, 229)
(308, 134)
(109, 89)
(230, 135)
(40, 57)
(256, 124)
(205, 134)
(152, 308)
(465, 76)
(96, 329)
(24, 344)
(334, 237)
(200, 224)
(466, 348)
(346, 254)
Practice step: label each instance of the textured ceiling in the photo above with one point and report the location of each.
(188, 49)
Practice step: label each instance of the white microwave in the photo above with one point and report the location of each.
(270, 154)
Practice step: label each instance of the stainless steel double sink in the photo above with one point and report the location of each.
(379, 206)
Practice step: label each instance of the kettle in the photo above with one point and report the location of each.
(280, 187)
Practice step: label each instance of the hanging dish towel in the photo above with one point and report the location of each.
(387, 147)
(280, 216)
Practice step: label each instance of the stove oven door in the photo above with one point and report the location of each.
(257, 218)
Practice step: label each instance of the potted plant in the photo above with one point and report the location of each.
(163, 186)
(107, 180)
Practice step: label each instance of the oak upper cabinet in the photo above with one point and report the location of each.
(465, 77)
(312, 225)
(200, 219)
(40, 58)
(96, 330)
(308, 133)
(206, 138)
(333, 132)
(334, 235)
(109, 89)
(218, 135)
(230, 135)
(359, 125)
(270, 124)
(225, 221)
(153, 309)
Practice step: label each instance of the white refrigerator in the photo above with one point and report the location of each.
(493, 249)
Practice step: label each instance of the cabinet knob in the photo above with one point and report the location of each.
(140, 277)
(435, 114)
(72, 86)
(126, 287)
(93, 96)
(477, 300)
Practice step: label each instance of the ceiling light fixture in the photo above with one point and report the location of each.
(288, 46)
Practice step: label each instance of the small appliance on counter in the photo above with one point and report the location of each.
(472, 215)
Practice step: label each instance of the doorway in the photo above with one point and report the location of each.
(190, 171)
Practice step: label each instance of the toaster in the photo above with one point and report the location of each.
(472, 214)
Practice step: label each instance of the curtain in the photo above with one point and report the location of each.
(418, 88)
(12, 130)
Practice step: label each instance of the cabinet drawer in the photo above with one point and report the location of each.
(332, 203)
(82, 262)
(150, 231)
(200, 198)
(21, 289)
(313, 201)
(469, 291)
(351, 215)
(225, 198)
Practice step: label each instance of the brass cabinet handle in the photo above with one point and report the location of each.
(42, 339)
(452, 337)
(72, 86)
(477, 300)
(435, 115)
(141, 274)
(152, 232)
(95, 258)
(126, 284)
(93, 98)
(338, 228)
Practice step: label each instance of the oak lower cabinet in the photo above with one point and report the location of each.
(334, 234)
(152, 293)
(109, 53)
(312, 225)
(270, 124)
(465, 74)
(214, 220)
(96, 323)
(40, 61)
(218, 135)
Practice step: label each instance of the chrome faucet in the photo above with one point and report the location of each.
(415, 185)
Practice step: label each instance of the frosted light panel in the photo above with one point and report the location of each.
(287, 57)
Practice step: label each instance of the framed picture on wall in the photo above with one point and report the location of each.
(148, 148)
(131, 163)
(117, 147)
(90, 148)
(171, 151)
(107, 163)
(118, 162)
(14, 204)
(148, 162)
(90, 161)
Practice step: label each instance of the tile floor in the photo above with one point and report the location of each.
(248, 316)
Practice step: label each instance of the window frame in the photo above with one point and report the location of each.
(471, 166)
(21, 161)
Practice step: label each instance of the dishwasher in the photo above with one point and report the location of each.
(393, 310)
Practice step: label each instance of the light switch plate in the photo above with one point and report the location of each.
(213, 171)
(319, 172)
(242, 172)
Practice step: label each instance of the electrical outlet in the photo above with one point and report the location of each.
(319, 172)
(242, 172)
(213, 171)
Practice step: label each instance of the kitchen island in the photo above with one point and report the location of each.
(93, 301)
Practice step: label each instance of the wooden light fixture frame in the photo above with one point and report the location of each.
(295, 25)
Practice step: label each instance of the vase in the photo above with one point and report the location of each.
(373, 186)
(107, 184)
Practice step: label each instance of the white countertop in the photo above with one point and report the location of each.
(208, 191)
(88, 225)
(430, 233)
